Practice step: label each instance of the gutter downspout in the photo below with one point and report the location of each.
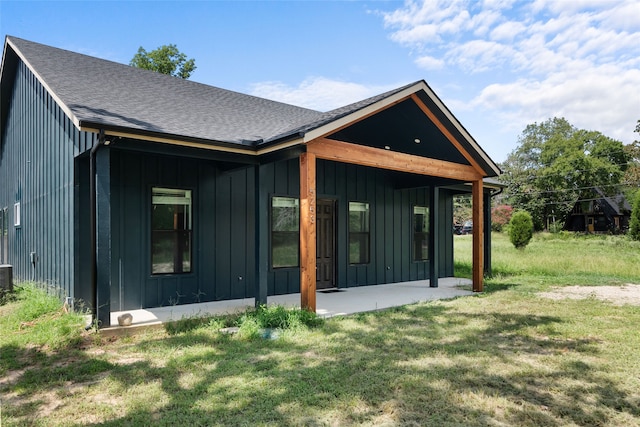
(92, 220)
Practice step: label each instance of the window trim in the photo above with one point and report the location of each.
(191, 223)
(359, 233)
(271, 232)
(16, 215)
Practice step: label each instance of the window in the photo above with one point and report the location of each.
(171, 231)
(16, 214)
(358, 233)
(420, 233)
(285, 236)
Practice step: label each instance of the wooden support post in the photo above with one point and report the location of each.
(478, 232)
(103, 237)
(261, 235)
(308, 231)
(486, 261)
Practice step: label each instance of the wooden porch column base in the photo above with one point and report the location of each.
(308, 231)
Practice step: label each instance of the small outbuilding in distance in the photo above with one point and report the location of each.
(600, 213)
(131, 189)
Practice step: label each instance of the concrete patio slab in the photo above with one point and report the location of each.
(341, 302)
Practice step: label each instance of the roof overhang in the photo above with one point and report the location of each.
(413, 108)
(434, 111)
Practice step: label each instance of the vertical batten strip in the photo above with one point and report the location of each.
(308, 231)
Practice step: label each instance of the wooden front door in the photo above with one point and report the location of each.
(325, 244)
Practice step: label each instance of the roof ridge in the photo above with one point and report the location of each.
(97, 92)
(156, 73)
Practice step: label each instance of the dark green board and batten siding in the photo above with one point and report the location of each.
(45, 167)
(222, 239)
(224, 228)
(37, 153)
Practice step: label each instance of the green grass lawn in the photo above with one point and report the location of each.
(505, 357)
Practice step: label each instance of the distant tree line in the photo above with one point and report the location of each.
(556, 164)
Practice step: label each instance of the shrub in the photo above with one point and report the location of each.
(500, 217)
(521, 229)
(634, 224)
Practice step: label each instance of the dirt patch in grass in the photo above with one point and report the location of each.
(619, 295)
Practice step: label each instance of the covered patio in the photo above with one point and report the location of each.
(330, 303)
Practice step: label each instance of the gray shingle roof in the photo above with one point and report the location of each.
(618, 203)
(337, 113)
(97, 93)
(107, 93)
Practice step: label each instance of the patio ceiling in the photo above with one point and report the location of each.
(402, 128)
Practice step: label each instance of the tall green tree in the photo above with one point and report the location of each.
(634, 224)
(166, 59)
(556, 164)
(632, 174)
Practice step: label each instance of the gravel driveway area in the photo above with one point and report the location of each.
(620, 295)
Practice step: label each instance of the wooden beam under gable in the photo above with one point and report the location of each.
(345, 152)
(446, 133)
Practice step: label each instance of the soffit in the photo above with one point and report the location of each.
(402, 128)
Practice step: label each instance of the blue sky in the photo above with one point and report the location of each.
(498, 64)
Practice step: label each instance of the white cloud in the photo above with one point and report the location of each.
(430, 63)
(479, 55)
(498, 4)
(532, 60)
(483, 22)
(318, 93)
(507, 30)
(420, 23)
(625, 16)
(418, 34)
(585, 99)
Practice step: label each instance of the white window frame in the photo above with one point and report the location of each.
(16, 214)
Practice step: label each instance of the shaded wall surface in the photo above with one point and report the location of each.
(224, 228)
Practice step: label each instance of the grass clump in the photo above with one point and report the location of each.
(261, 321)
(249, 328)
(187, 324)
(280, 317)
(252, 322)
(33, 319)
(39, 319)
